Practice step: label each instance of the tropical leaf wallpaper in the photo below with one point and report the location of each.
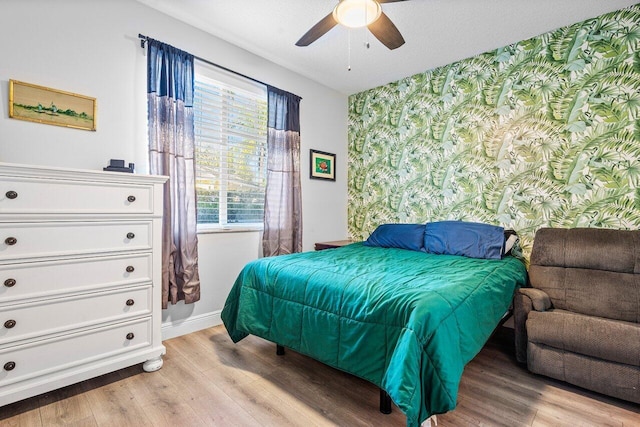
(544, 132)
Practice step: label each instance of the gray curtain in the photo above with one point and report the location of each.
(170, 77)
(283, 200)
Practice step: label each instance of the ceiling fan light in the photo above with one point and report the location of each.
(357, 13)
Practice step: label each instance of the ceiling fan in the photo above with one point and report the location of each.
(355, 14)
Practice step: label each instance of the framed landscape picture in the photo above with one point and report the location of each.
(323, 165)
(50, 106)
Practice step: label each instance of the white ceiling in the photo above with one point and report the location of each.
(437, 32)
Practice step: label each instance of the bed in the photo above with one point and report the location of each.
(405, 320)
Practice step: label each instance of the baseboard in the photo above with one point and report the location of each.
(190, 324)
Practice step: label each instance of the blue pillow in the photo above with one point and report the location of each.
(403, 236)
(470, 239)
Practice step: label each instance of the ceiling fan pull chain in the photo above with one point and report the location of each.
(349, 48)
(366, 33)
(366, 41)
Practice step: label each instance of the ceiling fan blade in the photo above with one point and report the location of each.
(318, 30)
(389, 1)
(386, 32)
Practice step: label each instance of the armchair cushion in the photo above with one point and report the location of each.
(592, 271)
(605, 339)
(593, 292)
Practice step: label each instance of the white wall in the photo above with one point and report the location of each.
(91, 47)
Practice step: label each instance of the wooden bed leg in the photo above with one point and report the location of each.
(279, 350)
(385, 402)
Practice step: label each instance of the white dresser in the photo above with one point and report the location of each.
(80, 291)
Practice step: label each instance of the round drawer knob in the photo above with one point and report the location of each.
(130, 302)
(130, 269)
(11, 241)
(131, 199)
(130, 336)
(130, 236)
(9, 366)
(9, 283)
(9, 324)
(11, 194)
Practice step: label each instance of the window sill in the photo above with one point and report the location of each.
(212, 229)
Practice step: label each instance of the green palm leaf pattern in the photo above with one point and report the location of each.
(540, 133)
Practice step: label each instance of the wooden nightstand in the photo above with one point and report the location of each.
(334, 244)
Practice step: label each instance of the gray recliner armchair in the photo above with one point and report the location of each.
(580, 320)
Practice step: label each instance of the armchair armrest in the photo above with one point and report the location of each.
(539, 299)
(525, 300)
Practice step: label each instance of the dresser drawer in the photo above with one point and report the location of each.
(40, 196)
(22, 321)
(39, 358)
(61, 277)
(37, 240)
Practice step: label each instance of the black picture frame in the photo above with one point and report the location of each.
(322, 165)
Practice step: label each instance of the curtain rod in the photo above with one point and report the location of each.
(143, 40)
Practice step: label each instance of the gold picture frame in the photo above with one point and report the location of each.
(41, 104)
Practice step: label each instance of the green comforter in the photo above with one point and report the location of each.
(406, 321)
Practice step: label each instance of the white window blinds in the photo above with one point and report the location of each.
(230, 116)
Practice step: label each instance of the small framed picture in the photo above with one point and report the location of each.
(42, 104)
(323, 165)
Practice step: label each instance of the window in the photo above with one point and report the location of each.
(230, 117)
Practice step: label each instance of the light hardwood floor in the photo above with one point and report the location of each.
(209, 381)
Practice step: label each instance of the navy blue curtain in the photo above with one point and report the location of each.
(170, 77)
(283, 199)
(284, 110)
